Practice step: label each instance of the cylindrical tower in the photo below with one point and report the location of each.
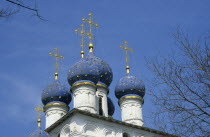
(131, 107)
(56, 99)
(105, 79)
(83, 77)
(130, 92)
(90, 77)
(101, 93)
(84, 95)
(54, 111)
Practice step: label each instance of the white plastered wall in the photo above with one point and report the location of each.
(131, 111)
(102, 92)
(54, 113)
(81, 125)
(84, 97)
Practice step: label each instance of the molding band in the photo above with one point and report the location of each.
(131, 97)
(55, 104)
(103, 86)
(83, 83)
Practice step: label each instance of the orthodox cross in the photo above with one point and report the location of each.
(39, 110)
(82, 33)
(56, 61)
(125, 47)
(90, 34)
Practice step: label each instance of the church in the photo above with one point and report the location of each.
(90, 78)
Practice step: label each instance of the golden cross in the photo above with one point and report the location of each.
(126, 50)
(82, 33)
(56, 60)
(39, 109)
(91, 24)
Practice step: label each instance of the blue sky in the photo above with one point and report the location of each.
(26, 67)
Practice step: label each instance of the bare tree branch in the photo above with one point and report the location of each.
(8, 12)
(182, 88)
(19, 4)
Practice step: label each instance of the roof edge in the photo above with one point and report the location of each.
(73, 111)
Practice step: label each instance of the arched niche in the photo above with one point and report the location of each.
(90, 130)
(126, 134)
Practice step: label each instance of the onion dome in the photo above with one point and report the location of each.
(56, 92)
(90, 68)
(39, 133)
(105, 72)
(129, 86)
(84, 70)
(111, 107)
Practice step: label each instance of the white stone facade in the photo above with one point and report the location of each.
(102, 92)
(131, 111)
(87, 123)
(84, 97)
(53, 113)
(80, 125)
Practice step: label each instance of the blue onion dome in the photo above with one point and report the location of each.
(129, 86)
(85, 70)
(111, 107)
(105, 72)
(39, 133)
(56, 92)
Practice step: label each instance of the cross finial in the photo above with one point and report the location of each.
(125, 47)
(90, 34)
(56, 61)
(39, 109)
(82, 33)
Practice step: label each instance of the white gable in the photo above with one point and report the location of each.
(81, 125)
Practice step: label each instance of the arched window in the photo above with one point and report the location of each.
(100, 106)
(126, 135)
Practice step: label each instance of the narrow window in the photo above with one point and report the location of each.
(100, 106)
(58, 135)
(126, 135)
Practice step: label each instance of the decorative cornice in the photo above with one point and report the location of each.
(103, 86)
(107, 119)
(131, 97)
(55, 104)
(83, 83)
